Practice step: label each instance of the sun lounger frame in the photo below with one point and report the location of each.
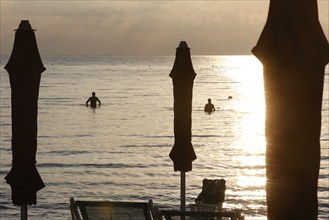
(168, 214)
(110, 204)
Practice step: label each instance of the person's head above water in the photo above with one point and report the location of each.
(93, 93)
(209, 100)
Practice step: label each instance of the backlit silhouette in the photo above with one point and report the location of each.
(209, 107)
(93, 101)
(182, 153)
(294, 51)
(24, 67)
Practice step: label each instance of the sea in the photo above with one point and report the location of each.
(119, 151)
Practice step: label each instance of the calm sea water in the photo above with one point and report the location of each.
(120, 150)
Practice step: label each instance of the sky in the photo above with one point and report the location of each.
(92, 27)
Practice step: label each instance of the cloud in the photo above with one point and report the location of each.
(137, 27)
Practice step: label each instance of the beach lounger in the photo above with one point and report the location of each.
(106, 210)
(208, 205)
(211, 197)
(213, 192)
(200, 215)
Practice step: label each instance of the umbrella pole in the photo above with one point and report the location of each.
(24, 212)
(182, 192)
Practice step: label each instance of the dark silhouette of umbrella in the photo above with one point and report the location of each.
(182, 153)
(24, 68)
(294, 51)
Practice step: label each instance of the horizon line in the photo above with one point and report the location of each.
(136, 55)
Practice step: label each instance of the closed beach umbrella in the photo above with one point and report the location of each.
(294, 51)
(24, 68)
(182, 153)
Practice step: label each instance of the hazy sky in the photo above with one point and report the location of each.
(217, 27)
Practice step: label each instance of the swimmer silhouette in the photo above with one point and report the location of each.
(93, 101)
(209, 107)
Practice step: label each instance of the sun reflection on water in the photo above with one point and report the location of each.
(249, 101)
(249, 128)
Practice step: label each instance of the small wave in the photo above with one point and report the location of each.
(254, 167)
(323, 189)
(207, 136)
(109, 165)
(323, 158)
(7, 207)
(219, 82)
(324, 205)
(65, 136)
(5, 124)
(4, 173)
(146, 146)
(157, 136)
(65, 152)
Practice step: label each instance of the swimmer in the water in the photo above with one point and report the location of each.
(93, 101)
(209, 107)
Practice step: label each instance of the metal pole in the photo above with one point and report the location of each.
(182, 192)
(24, 212)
